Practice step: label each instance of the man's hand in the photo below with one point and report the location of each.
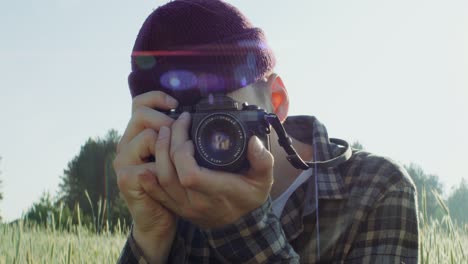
(153, 224)
(210, 199)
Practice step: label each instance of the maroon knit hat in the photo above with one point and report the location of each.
(193, 48)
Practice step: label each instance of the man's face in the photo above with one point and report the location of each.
(254, 94)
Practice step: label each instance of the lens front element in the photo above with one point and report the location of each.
(220, 139)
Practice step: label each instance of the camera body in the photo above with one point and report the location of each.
(220, 130)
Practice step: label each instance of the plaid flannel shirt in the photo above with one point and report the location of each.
(367, 213)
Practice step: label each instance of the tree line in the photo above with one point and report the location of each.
(88, 194)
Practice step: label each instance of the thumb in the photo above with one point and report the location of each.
(260, 159)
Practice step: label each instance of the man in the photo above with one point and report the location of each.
(362, 210)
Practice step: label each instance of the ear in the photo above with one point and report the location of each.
(279, 96)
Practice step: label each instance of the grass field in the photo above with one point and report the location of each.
(441, 242)
(21, 243)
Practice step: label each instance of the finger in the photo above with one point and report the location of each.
(180, 132)
(154, 99)
(196, 178)
(127, 179)
(138, 150)
(152, 188)
(260, 159)
(200, 184)
(138, 183)
(143, 117)
(165, 171)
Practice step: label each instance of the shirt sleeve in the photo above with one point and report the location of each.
(131, 253)
(389, 234)
(255, 238)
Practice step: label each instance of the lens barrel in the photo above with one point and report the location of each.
(220, 140)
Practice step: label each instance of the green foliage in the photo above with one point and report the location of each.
(26, 242)
(50, 213)
(90, 181)
(357, 145)
(94, 230)
(458, 203)
(443, 242)
(430, 185)
(43, 211)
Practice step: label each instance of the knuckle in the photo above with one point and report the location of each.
(177, 124)
(118, 148)
(137, 102)
(140, 99)
(165, 182)
(190, 180)
(187, 211)
(200, 205)
(149, 136)
(123, 178)
(142, 173)
(159, 94)
(160, 197)
(152, 190)
(116, 162)
(174, 153)
(138, 114)
(270, 158)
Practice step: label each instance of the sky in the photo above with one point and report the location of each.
(390, 74)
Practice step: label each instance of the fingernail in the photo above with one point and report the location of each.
(258, 147)
(163, 133)
(184, 115)
(171, 102)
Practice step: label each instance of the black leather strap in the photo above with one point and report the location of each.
(286, 143)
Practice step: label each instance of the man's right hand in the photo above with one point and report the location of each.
(153, 225)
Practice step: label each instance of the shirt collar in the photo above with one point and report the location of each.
(309, 130)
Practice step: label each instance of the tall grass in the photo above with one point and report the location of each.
(441, 241)
(24, 242)
(61, 241)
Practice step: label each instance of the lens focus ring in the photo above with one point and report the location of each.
(220, 140)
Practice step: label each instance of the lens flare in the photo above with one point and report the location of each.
(211, 99)
(178, 80)
(174, 82)
(251, 60)
(208, 83)
(242, 74)
(145, 62)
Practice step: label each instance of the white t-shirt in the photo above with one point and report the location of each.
(279, 203)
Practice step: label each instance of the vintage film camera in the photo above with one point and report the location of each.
(220, 130)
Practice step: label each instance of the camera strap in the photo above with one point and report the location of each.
(286, 143)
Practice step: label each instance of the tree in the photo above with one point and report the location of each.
(428, 183)
(91, 172)
(458, 203)
(357, 145)
(43, 211)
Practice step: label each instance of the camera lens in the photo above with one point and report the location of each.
(220, 139)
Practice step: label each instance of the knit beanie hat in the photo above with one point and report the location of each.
(193, 48)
